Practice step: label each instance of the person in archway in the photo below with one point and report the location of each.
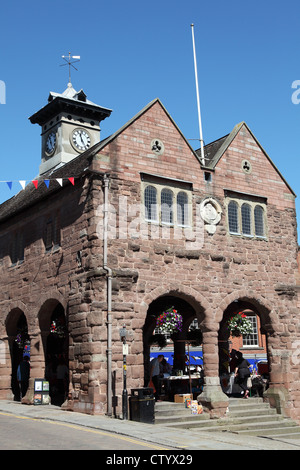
(155, 373)
(23, 374)
(242, 373)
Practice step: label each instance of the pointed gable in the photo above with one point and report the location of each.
(151, 143)
(242, 165)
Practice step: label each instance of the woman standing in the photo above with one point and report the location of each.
(242, 373)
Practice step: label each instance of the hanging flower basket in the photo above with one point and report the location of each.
(22, 338)
(169, 322)
(57, 329)
(240, 325)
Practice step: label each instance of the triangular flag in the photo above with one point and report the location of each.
(72, 180)
(9, 184)
(47, 182)
(23, 183)
(60, 181)
(35, 182)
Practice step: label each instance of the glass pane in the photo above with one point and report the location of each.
(251, 340)
(150, 203)
(182, 209)
(259, 221)
(167, 206)
(233, 217)
(246, 219)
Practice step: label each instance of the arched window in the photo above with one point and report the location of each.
(233, 220)
(182, 209)
(167, 206)
(259, 221)
(150, 200)
(246, 219)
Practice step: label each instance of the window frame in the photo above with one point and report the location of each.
(52, 233)
(146, 214)
(175, 190)
(17, 249)
(251, 204)
(255, 334)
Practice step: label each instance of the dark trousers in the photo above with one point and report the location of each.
(156, 383)
(24, 387)
(242, 381)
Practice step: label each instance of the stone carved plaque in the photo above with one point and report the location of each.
(211, 212)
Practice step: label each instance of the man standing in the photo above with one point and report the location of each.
(23, 374)
(154, 374)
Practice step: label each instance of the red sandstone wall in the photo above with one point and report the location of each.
(211, 278)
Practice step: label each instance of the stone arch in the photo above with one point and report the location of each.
(47, 302)
(184, 299)
(191, 295)
(16, 326)
(248, 298)
(15, 308)
(55, 343)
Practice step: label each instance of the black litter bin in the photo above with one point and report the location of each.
(141, 404)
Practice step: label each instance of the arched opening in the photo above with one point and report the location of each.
(19, 345)
(53, 324)
(182, 351)
(253, 347)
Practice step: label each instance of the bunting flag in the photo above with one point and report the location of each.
(38, 182)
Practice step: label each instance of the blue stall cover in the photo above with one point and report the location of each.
(196, 358)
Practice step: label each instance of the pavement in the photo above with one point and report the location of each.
(185, 440)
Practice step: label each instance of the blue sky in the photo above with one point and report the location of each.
(132, 52)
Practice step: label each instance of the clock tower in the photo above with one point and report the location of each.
(70, 125)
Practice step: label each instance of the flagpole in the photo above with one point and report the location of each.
(198, 99)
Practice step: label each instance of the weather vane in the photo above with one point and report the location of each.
(69, 61)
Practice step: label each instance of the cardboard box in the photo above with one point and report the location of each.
(180, 398)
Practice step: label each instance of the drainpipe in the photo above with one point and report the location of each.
(109, 291)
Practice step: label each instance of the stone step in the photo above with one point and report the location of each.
(230, 424)
(251, 411)
(287, 435)
(252, 417)
(286, 427)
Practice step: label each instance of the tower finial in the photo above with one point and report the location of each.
(69, 62)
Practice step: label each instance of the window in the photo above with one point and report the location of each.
(233, 220)
(17, 249)
(259, 221)
(246, 219)
(52, 233)
(150, 203)
(167, 205)
(252, 340)
(182, 208)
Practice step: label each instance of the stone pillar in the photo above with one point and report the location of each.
(5, 370)
(37, 365)
(213, 400)
(279, 366)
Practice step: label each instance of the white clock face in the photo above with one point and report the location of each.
(81, 139)
(51, 143)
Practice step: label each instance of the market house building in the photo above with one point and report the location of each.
(114, 231)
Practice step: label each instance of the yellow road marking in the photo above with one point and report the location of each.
(94, 431)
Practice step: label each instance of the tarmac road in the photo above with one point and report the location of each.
(51, 426)
(25, 433)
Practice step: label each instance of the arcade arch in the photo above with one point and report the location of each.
(18, 343)
(188, 308)
(55, 340)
